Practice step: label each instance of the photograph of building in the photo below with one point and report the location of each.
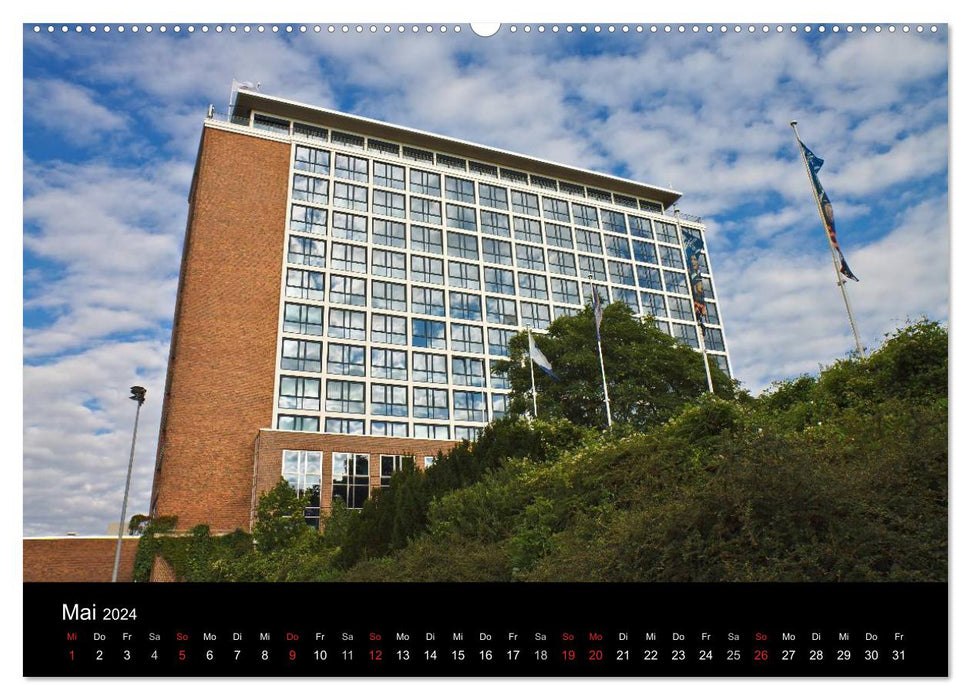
(347, 285)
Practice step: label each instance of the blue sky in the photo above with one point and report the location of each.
(112, 123)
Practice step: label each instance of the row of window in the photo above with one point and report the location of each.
(389, 428)
(349, 167)
(354, 227)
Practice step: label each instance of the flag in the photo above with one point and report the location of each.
(815, 163)
(598, 313)
(537, 356)
(693, 247)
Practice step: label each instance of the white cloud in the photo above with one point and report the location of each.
(70, 110)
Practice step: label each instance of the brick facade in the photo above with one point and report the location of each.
(219, 389)
(77, 559)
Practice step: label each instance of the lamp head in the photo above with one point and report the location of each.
(138, 394)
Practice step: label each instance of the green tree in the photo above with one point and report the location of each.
(649, 375)
(279, 517)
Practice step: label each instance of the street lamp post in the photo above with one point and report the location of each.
(137, 394)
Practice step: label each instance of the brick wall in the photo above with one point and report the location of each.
(219, 389)
(271, 443)
(77, 559)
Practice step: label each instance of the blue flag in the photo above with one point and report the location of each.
(537, 356)
(815, 163)
(693, 248)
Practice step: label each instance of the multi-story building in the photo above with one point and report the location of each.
(348, 284)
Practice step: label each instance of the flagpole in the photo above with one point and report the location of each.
(532, 375)
(840, 281)
(698, 326)
(600, 352)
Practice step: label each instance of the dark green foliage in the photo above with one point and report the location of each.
(137, 524)
(280, 518)
(650, 377)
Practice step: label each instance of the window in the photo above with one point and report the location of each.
(350, 258)
(389, 329)
(390, 233)
(424, 182)
(589, 241)
(350, 140)
(468, 371)
(385, 263)
(304, 424)
(460, 217)
(625, 201)
(382, 147)
(556, 209)
(499, 281)
(465, 306)
(598, 194)
(558, 236)
(312, 160)
(302, 393)
(428, 270)
(494, 251)
(500, 310)
(530, 257)
(470, 406)
(495, 224)
(348, 325)
(345, 397)
(348, 426)
(653, 304)
(306, 320)
(666, 233)
(304, 284)
(585, 216)
(492, 196)
(498, 379)
(430, 403)
(308, 219)
(527, 229)
(675, 282)
(722, 362)
(462, 245)
(685, 334)
(628, 296)
(460, 190)
(309, 133)
(464, 275)
(681, 308)
(649, 277)
(645, 252)
(428, 334)
(640, 227)
(391, 464)
(350, 168)
(570, 188)
(513, 176)
(711, 313)
(351, 478)
(613, 221)
(350, 196)
(592, 267)
(388, 203)
(601, 290)
(561, 311)
(426, 210)
(464, 432)
(301, 355)
(617, 247)
(563, 263)
(309, 189)
(350, 227)
(347, 290)
(388, 295)
(671, 257)
(389, 400)
(387, 175)
(434, 432)
(500, 406)
(427, 301)
(483, 169)
(525, 203)
(307, 251)
(535, 316)
(345, 360)
(565, 291)
(389, 364)
(450, 161)
(499, 341)
(621, 272)
(532, 286)
(427, 240)
(417, 154)
(302, 470)
(389, 428)
(430, 368)
(467, 338)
